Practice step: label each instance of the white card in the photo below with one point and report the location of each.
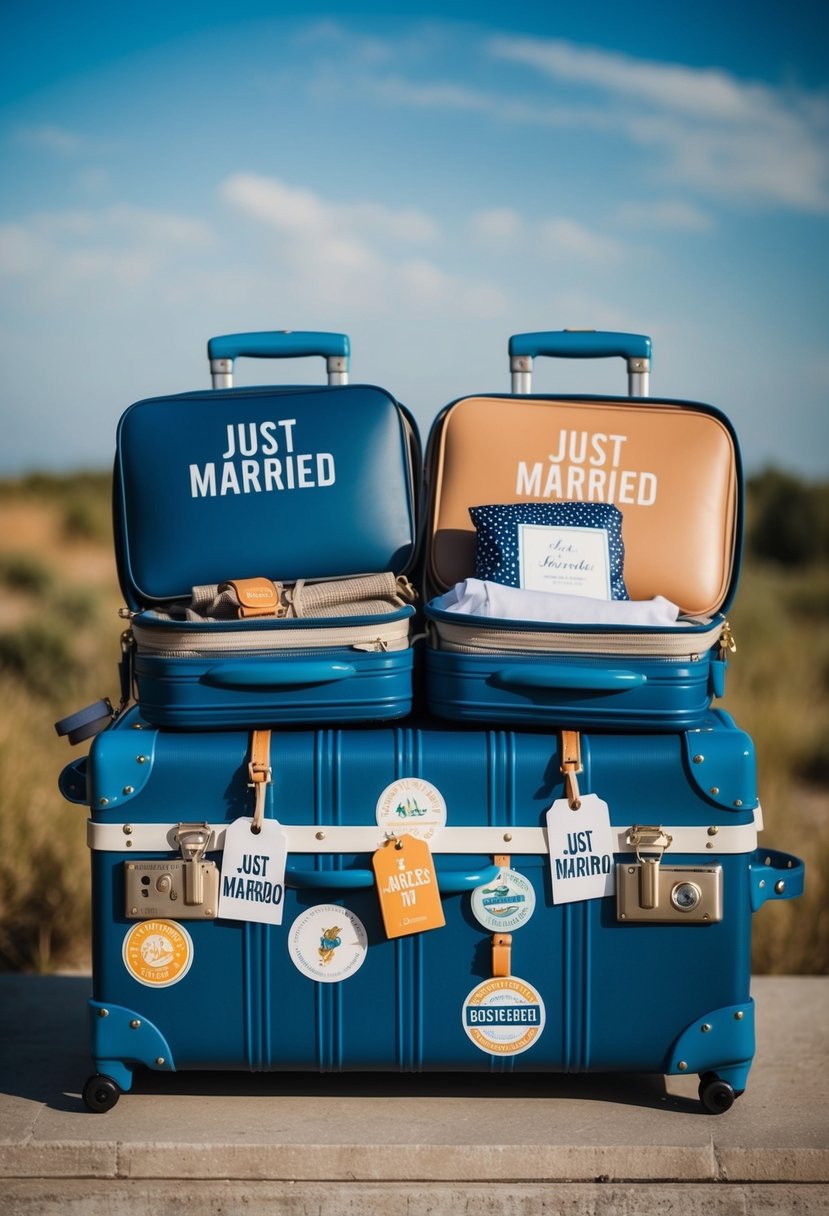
(581, 850)
(252, 879)
(568, 561)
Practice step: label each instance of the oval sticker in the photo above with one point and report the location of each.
(158, 953)
(328, 943)
(411, 806)
(503, 1016)
(505, 904)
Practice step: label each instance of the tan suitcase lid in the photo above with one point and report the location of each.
(671, 467)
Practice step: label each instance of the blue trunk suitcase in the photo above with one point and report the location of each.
(524, 492)
(263, 537)
(550, 901)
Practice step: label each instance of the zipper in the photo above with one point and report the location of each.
(675, 645)
(179, 643)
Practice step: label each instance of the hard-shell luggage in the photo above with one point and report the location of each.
(424, 898)
(669, 469)
(263, 537)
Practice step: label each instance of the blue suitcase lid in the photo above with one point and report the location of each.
(282, 482)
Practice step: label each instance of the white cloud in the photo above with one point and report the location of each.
(57, 254)
(671, 214)
(497, 225)
(561, 237)
(60, 141)
(716, 133)
(354, 252)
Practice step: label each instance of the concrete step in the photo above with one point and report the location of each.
(295, 1144)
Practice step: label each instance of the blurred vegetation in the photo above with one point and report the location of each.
(59, 647)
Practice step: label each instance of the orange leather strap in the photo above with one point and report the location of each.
(259, 772)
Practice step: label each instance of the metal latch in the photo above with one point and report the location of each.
(187, 889)
(650, 844)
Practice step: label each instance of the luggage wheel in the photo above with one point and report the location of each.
(716, 1095)
(101, 1093)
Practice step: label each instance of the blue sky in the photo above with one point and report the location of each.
(428, 183)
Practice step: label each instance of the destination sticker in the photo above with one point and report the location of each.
(157, 953)
(504, 1016)
(252, 880)
(505, 904)
(581, 850)
(328, 943)
(411, 805)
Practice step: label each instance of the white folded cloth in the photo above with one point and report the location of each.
(479, 597)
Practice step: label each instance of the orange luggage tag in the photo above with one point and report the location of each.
(407, 886)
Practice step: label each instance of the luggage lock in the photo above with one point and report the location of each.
(187, 889)
(650, 891)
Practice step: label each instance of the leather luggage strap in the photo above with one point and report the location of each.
(256, 596)
(260, 773)
(571, 765)
(501, 954)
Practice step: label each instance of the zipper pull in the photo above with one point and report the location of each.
(727, 643)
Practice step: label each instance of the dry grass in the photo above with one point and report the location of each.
(59, 645)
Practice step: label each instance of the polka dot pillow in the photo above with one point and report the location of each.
(499, 537)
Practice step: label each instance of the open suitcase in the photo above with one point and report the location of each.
(500, 945)
(263, 537)
(671, 468)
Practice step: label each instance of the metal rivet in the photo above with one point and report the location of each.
(134, 1024)
(780, 887)
(141, 759)
(631, 869)
(739, 1015)
(698, 759)
(715, 789)
(133, 911)
(127, 829)
(103, 802)
(710, 845)
(508, 836)
(682, 1066)
(130, 866)
(762, 883)
(320, 835)
(738, 802)
(705, 1028)
(127, 790)
(160, 1060)
(128, 844)
(103, 1013)
(713, 830)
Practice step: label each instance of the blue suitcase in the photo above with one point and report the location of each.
(531, 465)
(539, 966)
(264, 492)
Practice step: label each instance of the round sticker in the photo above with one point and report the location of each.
(503, 1016)
(505, 904)
(158, 953)
(328, 943)
(412, 806)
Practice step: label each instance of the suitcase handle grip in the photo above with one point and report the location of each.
(588, 679)
(581, 344)
(774, 875)
(278, 344)
(450, 882)
(282, 673)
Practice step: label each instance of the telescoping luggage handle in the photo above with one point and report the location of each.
(278, 344)
(635, 349)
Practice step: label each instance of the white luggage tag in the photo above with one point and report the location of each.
(252, 878)
(579, 837)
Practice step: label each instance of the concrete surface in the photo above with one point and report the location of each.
(227, 1143)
